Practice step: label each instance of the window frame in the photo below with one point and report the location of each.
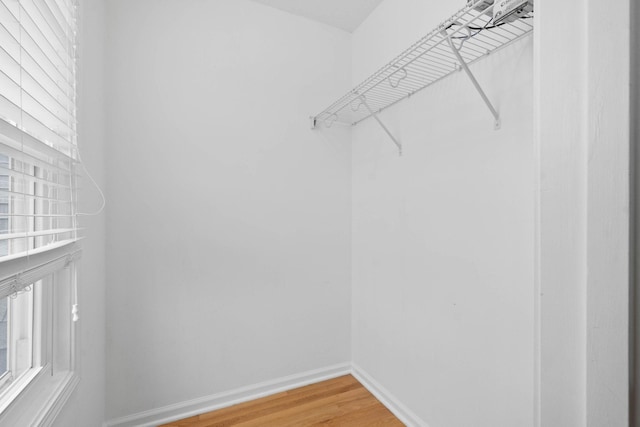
(37, 397)
(16, 306)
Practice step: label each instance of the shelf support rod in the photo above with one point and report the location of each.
(375, 116)
(497, 124)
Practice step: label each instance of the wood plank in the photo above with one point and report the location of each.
(341, 401)
(259, 409)
(301, 394)
(317, 410)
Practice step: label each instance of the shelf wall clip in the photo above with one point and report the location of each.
(363, 101)
(497, 123)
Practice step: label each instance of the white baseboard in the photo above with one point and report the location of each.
(178, 411)
(404, 414)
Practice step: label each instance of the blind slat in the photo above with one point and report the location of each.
(35, 216)
(16, 75)
(20, 196)
(15, 60)
(16, 93)
(15, 138)
(21, 175)
(28, 234)
(66, 10)
(22, 180)
(59, 16)
(32, 125)
(53, 24)
(37, 34)
(33, 48)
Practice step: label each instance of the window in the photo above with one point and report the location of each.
(37, 340)
(38, 227)
(18, 337)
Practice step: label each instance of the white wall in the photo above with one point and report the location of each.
(635, 260)
(582, 104)
(561, 225)
(86, 406)
(487, 269)
(443, 236)
(229, 220)
(608, 135)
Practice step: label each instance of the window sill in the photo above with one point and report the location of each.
(7, 397)
(42, 400)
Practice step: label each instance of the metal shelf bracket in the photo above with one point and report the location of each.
(497, 124)
(363, 101)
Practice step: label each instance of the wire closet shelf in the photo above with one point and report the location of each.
(466, 37)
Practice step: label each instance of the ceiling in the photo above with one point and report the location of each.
(343, 14)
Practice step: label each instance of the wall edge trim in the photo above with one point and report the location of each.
(190, 408)
(404, 414)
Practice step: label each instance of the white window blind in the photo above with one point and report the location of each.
(38, 151)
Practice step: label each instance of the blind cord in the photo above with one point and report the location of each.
(93, 181)
(95, 184)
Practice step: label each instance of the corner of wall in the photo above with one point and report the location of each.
(86, 406)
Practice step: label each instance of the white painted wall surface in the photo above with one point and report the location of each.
(635, 203)
(443, 236)
(561, 230)
(608, 220)
(86, 407)
(229, 220)
(582, 104)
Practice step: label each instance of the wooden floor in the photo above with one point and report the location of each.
(339, 402)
